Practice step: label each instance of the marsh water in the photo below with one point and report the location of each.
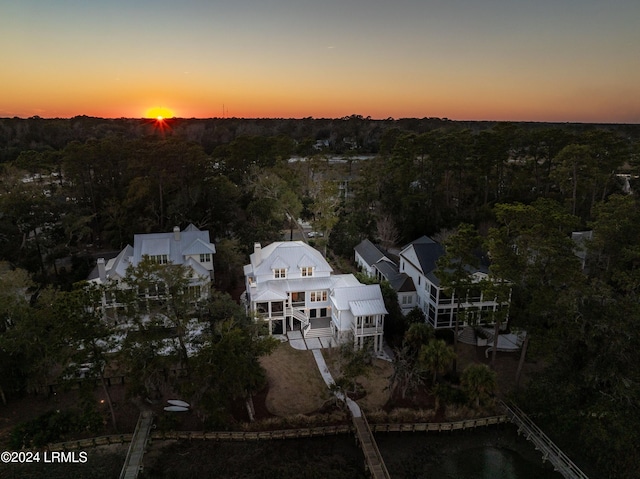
(496, 453)
(480, 454)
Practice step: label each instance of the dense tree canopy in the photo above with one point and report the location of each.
(73, 189)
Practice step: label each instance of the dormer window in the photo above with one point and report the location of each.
(306, 271)
(205, 258)
(279, 273)
(160, 258)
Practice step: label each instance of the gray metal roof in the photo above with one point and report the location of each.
(276, 290)
(199, 247)
(190, 241)
(368, 307)
(343, 296)
(288, 254)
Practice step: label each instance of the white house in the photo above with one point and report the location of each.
(190, 247)
(291, 286)
(376, 262)
(418, 260)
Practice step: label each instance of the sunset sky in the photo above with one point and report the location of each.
(543, 60)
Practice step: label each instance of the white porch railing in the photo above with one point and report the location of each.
(368, 331)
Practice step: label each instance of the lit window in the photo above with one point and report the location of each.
(318, 296)
(306, 271)
(280, 273)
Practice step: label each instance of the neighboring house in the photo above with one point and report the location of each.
(418, 260)
(291, 286)
(376, 262)
(190, 247)
(367, 254)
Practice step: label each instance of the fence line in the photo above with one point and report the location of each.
(439, 426)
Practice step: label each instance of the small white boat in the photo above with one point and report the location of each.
(176, 409)
(178, 402)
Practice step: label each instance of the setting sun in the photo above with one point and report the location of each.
(159, 113)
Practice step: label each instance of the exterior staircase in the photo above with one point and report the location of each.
(319, 333)
(467, 335)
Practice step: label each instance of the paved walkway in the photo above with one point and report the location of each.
(296, 341)
(328, 379)
(373, 458)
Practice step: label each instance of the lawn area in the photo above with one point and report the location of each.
(295, 384)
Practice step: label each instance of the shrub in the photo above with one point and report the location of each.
(51, 427)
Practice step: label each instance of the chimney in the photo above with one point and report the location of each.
(102, 272)
(176, 233)
(257, 252)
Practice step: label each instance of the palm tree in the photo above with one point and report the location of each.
(418, 335)
(436, 357)
(407, 375)
(479, 382)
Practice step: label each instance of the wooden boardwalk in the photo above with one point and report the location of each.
(360, 427)
(550, 452)
(373, 459)
(133, 462)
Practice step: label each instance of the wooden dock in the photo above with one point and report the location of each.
(133, 462)
(373, 459)
(550, 452)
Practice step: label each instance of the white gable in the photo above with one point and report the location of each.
(279, 263)
(409, 255)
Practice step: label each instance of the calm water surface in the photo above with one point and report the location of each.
(479, 454)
